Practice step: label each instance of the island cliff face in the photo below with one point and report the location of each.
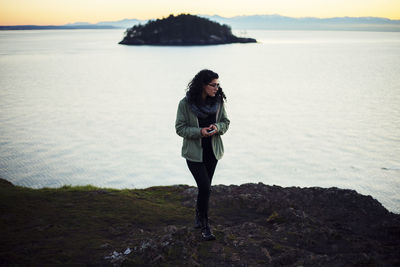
(255, 225)
(182, 30)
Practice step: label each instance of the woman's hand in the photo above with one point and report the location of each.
(213, 127)
(206, 132)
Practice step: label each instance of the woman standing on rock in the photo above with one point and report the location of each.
(201, 120)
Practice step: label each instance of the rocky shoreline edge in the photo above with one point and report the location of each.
(255, 225)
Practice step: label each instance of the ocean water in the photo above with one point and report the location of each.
(307, 108)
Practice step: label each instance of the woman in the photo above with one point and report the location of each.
(201, 120)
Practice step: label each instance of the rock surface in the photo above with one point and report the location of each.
(260, 225)
(182, 30)
(255, 225)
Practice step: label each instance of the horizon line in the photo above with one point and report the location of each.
(227, 17)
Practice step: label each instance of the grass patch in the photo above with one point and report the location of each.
(74, 225)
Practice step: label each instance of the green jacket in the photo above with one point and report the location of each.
(187, 126)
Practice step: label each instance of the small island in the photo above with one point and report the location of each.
(182, 30)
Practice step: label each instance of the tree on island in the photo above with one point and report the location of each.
(184, 29)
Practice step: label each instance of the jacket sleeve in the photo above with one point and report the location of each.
(223, 124)
(182, 124)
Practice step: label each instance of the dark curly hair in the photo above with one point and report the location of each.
(195, 88)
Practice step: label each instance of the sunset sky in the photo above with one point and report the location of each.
(57, 12)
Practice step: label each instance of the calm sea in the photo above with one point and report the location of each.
(307, 108)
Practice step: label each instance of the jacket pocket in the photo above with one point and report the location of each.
(191, 149)
(218, 146)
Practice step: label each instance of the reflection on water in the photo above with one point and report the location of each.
(307, 109)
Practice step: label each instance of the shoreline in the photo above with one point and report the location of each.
(391, 209)
(255, 224)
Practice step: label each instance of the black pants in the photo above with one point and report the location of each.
(203, 173)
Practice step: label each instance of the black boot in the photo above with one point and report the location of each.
(197, 222)
(205, 228)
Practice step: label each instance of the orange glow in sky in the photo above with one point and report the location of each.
(50, 12)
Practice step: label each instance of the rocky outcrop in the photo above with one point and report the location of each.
(254, 224)
(260, 225)
(182, 30)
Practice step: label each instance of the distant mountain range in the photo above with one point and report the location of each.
(267, 22)
(277, 22)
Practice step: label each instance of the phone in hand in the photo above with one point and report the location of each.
(211, 131)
